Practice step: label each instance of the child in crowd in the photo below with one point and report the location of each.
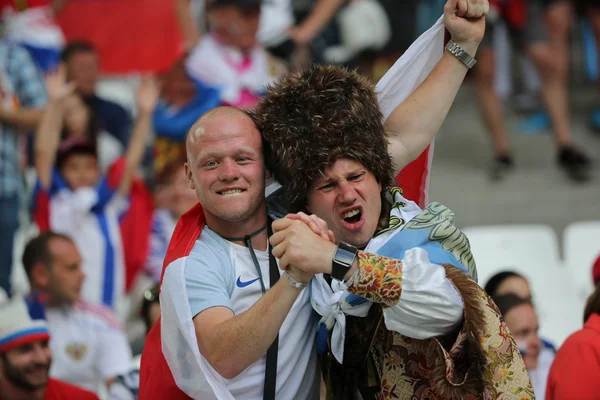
(74, 197)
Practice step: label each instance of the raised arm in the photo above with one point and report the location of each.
(148, 94)
(47, 136)
(414, 123)
(24, 119)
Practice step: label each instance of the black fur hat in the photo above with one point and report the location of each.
(311, 118)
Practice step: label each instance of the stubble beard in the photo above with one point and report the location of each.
(19, 378)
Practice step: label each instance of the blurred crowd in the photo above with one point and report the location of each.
(96, 188)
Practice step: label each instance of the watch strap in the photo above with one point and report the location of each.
(461, 54)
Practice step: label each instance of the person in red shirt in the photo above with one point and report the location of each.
(25, 359)
(575, 373)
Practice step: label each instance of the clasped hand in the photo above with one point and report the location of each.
(304, 245)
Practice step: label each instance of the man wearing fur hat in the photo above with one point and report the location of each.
(416, 328)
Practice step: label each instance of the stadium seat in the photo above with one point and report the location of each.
(532, 251)
(581, 241)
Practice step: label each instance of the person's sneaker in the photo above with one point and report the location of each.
(501, 166)
(575, 163)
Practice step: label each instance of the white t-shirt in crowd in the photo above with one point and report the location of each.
(221, 273)
(88, 345)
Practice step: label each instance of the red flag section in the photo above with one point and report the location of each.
(414, 178)
(130, 35)
(156, 379)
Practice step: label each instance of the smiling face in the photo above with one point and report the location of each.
(26, 366)
(348, 197)
(80, 171)
(225, 167)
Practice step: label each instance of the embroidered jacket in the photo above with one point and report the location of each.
(478, 361)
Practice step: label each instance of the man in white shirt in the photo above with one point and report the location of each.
(88, 345)
(235, 321)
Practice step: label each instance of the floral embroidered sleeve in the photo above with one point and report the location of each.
(378, 279)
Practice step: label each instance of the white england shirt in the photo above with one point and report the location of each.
(220, 273)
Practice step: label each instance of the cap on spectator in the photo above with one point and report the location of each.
(74, 145)
(17, 327)
(596, 271)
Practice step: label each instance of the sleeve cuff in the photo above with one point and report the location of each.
(379, 279)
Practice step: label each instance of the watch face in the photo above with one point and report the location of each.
(344, 257)
(342, 261)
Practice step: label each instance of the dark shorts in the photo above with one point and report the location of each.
(534, 30)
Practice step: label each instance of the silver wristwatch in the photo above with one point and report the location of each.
(461, 54)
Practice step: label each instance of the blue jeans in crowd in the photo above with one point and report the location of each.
(9, 222)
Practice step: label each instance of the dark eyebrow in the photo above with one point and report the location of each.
(322, 181)
(357, 172)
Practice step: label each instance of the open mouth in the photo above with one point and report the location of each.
(229, 192)
(353, 216)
